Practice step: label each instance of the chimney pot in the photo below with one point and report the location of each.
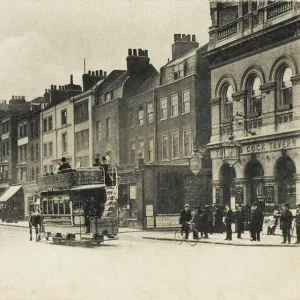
(175, 38)
(71, 79)
(189, 37)
(52, 87)
(59, 87)
(97, 74)
(23, 97)
(140, 52)
(193, 38)
(13, 97)
(55, 87)
(134, 52)
(146, 53)
(89, 72)
(101, 72)
(93, 73)
(129, 52)
(105, 73)
(46, 91)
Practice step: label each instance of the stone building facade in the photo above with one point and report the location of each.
(253, 53)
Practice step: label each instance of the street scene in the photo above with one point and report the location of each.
(149, 149)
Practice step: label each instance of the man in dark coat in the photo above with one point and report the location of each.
(286, 219)
(64, 166)
(218, 220)
(297, 224)
(240, 219)
(229, 218)
(205, 221)
(256, 222)
(185, 216)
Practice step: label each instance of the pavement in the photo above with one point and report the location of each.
(217, 238)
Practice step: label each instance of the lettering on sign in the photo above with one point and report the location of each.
(263, 147)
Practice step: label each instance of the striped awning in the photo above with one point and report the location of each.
(9, 192)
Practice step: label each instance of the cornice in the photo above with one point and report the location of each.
(215, 101)
(295, 79)
(239, 95)
(268, 87)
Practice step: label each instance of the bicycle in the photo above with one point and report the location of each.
(193, 235)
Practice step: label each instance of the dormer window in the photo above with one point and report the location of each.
(179, 71)
(108, 96)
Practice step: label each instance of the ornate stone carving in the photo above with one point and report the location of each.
(268, 87)
(295, 79)
(215, 101)
(239, 95)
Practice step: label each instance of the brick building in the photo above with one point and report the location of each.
(253, 53)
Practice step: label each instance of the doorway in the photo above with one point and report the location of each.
(227, 176)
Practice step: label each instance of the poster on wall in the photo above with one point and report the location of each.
(149, 210)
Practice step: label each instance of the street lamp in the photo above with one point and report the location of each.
(231, 147)
(195, 160)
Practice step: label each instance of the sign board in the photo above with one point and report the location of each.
(167, 221)
(149, 210)
(150, 222)
(132, 192)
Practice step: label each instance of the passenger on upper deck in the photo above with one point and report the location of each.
(97, 163)
(64, 166)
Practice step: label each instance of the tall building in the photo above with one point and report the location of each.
(28, 167)
(57, 126)
(255, 84)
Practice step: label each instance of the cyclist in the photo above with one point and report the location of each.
(185, 218)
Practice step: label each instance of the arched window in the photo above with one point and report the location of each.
(254, 97)
(227, 101)
(285, 87)
(108, 128)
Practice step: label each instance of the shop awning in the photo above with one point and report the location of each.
(9, 192)
(88, 187)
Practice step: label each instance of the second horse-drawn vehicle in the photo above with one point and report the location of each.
(80, 205)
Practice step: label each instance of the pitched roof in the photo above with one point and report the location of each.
(114, 80)
(151, 82)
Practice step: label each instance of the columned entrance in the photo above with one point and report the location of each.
(255, 189)
(227, 177)
(285, 172)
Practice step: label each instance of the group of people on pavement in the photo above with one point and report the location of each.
(207, 222)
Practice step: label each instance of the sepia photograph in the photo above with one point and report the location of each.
(149, 149)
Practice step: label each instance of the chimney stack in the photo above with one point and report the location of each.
(134, 52)
(183, 44)
(138, 63)
(146, 53)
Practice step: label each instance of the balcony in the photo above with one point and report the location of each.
(253, 22)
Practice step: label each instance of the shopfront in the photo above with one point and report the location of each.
(266, 172)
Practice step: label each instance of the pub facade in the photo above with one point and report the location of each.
(255, 89)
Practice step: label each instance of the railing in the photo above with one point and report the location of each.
(277, 9)
(253, 19)
(227, 31)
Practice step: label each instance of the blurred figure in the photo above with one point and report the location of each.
(185, 217)
(286, 224)
(229, 218)
(256, 222)
(240, 219)
(297, 225)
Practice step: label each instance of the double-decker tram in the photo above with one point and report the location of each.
(80, 205)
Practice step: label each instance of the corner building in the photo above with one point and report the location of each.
(254, 58)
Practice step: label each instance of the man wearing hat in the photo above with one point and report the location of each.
(286, 219)
(185, 216)
(64, 166)
(256, 222)
(229, 218)
(240, 219)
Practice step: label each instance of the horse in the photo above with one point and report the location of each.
(35, 220)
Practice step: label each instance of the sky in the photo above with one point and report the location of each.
(42, 42)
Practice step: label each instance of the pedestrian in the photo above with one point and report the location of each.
(286, 219)
(297, 224)
(205, 222)
(185, 217)
(256, 222)
(218, 220)
(240, 219)
(229, 218)
(197, 220)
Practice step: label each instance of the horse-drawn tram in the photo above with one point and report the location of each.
(80, 205)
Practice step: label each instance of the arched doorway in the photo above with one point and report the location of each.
(254, 174)
(285, 178)
(227, 176)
